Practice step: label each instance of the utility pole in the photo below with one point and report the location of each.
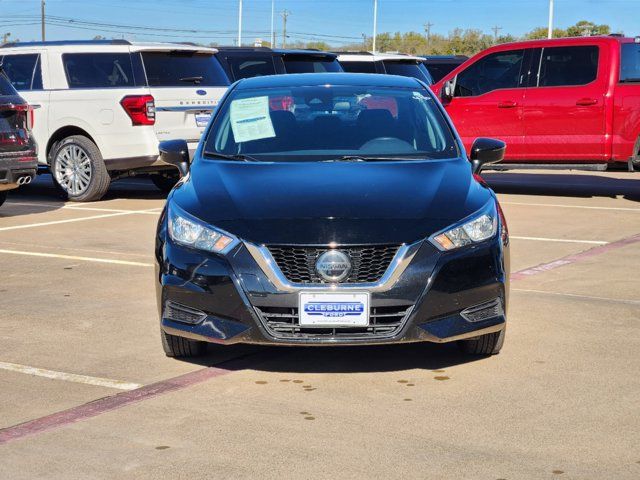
(375, 23)
(240, 23)
(364, 42)
(550, 30)
(42, 19)
(272, 39)
(496, 29)
(427, 29)
(285, 14)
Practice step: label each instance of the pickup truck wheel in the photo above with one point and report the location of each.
(488, 344)
(165, 182)
(3, 197)
(174, 346)
(78, 169)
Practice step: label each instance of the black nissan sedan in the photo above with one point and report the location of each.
(331, 209)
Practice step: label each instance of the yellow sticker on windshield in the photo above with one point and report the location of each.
(250, 119)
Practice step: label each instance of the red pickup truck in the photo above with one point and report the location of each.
(564, 102)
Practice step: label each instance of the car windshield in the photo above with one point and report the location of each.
(183, 69)
(320, 123)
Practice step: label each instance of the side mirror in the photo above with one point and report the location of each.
(446, 94)
(175, 152)
(485, 151)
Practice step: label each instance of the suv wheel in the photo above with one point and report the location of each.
(175, 346)
(488, 344)
(3, 197)
(78, 169)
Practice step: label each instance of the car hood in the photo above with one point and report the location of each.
(323, 202)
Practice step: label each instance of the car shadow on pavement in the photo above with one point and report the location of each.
(565, 185)
(339, 359)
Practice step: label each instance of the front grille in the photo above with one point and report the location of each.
(368, 264)
(283, 322)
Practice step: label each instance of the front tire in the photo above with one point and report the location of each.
(489, 344)
(179, 347)
(3, 197)
(78, 169)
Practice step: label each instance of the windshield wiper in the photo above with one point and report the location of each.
(362, 158)
(236, 156)
(195, 80)
(630, 80)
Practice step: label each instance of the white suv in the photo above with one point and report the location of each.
(102, 107)
(389, 63)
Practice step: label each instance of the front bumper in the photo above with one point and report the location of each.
(15, 165)
(435, 296)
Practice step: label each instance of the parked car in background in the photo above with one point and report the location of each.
(389, 63)
(103, 106)
(18, 152)
(561, 102)
(343, 228)
(247, 62)
(440, 65)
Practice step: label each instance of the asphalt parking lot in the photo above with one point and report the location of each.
(88, 393)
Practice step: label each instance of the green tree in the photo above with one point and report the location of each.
(586, 28)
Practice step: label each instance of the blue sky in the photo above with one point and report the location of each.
(309, 19)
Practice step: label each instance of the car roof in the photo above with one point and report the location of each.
(336, 78)
(275, 51)
(106, 45)
(548, 42)
(373, 57)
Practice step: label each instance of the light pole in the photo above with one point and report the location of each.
(273, 35)
(550, 30)
(240, 23)
(375, 23)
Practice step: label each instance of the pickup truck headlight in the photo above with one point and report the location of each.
(482, 226)
(187, 230)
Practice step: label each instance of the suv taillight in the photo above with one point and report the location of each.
(140, 108)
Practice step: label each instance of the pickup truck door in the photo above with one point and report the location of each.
(564, 112)
(488, 100)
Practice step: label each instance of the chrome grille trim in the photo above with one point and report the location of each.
(398, 265)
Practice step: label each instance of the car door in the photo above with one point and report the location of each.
(564, 113)
(488, 100)
(25, 70)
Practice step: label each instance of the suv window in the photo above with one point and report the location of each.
(5, 85)
(562, 66)
(359, 67)
(497, 70)
(243, 67)
(310, 64)
(630, 62)
(408, 69)
(23, 70)
(183, 69)
(98, 70)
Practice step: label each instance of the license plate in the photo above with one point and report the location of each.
(334, 309)
(202, 119)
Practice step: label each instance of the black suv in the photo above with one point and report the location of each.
(247, 62)
(18, 156)
(440, 65)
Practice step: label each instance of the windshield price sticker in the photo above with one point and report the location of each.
(250, 119)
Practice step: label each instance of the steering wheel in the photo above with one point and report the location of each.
(394, 144)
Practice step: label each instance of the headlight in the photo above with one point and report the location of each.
(482, 227)
(186, 230)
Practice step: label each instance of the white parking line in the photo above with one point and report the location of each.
(81, 219)
(574, 295)
(151, 211)
(73, 257)
(562, 240)
(69, 377)
(561, 205)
